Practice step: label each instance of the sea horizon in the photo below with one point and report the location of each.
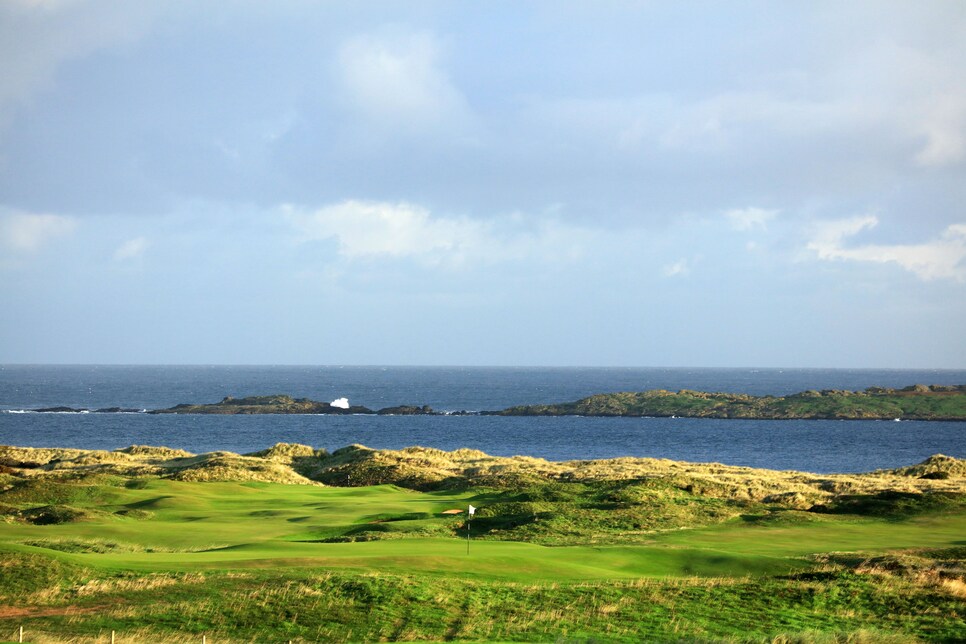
(467, 366)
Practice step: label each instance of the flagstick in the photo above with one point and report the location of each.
(470, 511)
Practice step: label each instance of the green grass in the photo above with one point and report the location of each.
(315, 605)
(189, 526)
(607, 561)
(185, 526)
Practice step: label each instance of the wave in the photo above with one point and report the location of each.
(72, 412)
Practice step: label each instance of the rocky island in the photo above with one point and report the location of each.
(916, 402)
(282, 404)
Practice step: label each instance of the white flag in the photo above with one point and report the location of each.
(472, 510)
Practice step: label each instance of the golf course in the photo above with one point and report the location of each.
(296, 544)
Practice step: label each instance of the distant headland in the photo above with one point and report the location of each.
(915, 402)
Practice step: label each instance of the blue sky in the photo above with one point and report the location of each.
(775, 184)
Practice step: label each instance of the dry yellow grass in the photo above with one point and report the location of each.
(225, 466)
(139, 636)
(935, 464)
(148, 582)
(424, 467)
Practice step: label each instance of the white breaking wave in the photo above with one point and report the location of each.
(341, 403)
(74, 412)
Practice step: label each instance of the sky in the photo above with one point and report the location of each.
(707, 184)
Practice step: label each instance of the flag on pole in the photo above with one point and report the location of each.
(472, 510)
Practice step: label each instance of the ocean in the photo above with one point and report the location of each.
(809, 445)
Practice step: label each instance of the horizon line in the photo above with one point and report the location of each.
(465, 366)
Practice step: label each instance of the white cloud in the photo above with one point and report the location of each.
(939, 259)
(368, 230)
(828, 235)
(131, 249)
(679, 268)
(27, 232)
(396, 80)
(748, 218)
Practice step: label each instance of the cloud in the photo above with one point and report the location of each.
(38, 36)
(748, 218)
(396, 80)
(944, 126)
(908, 83)
(883, 94)
(371, 229)
(368, 230)
(939, 259)
(27, 232)
(679, 268)
(131, 249)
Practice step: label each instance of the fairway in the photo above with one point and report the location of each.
(164, 525)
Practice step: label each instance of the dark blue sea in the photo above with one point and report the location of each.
(810, 445)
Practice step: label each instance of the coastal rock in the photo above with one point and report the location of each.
(918, 402)
(406, 410)
(274, 404)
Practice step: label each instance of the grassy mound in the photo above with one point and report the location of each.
(226, 466)
(155, 453)
(422, 468)
(937, 466)
(304, 460)
(893, 504)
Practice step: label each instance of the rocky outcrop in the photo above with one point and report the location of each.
(277, 404)
(917, 402)
(407, 410)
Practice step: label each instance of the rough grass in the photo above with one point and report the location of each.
(937, 466)
(835, 604)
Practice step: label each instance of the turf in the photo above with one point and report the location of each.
(190, 526)
(185, 526)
